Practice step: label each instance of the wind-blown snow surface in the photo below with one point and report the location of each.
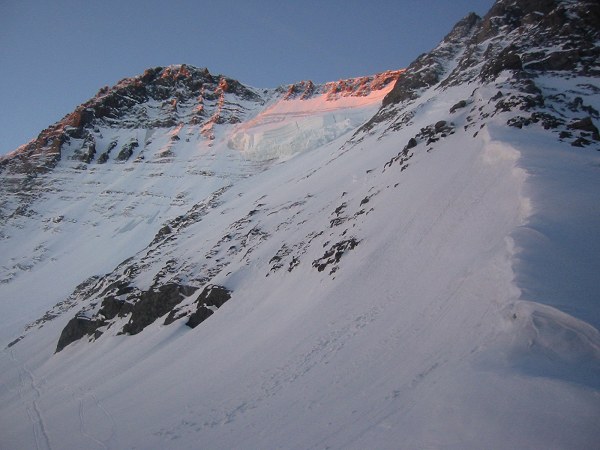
(442, 326)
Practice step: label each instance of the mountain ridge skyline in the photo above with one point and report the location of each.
(60, 66)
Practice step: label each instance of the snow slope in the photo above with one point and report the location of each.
(289, 126)
(424, 281)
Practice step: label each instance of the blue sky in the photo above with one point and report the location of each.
(54, 55)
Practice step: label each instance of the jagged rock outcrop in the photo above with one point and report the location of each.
(162, 97)
(211, 299)
(428, 68)
(353, 87)
(142, 308)
(522, 39)
(534, 35)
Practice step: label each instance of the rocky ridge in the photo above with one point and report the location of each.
(527, 39)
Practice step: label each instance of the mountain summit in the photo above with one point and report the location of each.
(402, 260)
(170, 98)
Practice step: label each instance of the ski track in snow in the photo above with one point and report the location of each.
(90, 424)
(28, 385)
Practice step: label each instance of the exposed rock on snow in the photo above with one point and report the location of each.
(211, 299)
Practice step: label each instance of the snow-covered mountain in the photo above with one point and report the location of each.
(405, 260)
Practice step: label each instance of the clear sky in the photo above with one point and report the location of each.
(55, 54)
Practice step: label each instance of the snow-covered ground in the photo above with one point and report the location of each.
(427, 280)
(440, 329)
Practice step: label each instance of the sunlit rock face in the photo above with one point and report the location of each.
(309, 116)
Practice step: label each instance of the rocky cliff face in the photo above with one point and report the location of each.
(165, 98)
(159, 98)
(528, 40)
